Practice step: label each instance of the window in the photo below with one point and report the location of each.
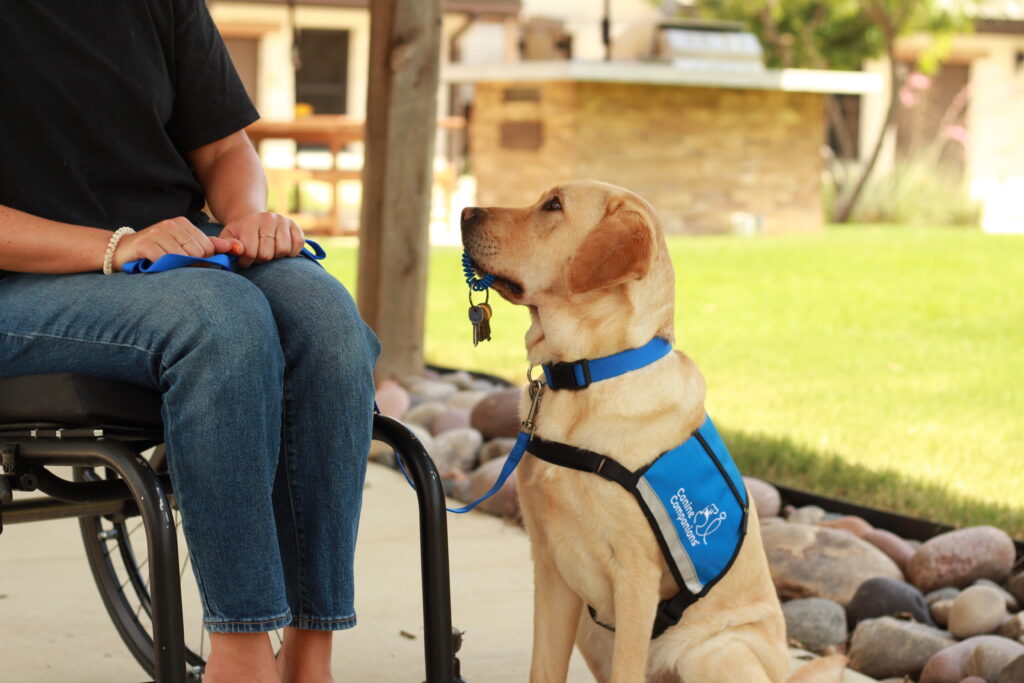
(321, 79)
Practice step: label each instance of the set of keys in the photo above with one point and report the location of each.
(480, 317)
(479, 314)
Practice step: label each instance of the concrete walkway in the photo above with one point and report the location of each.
(54, 629)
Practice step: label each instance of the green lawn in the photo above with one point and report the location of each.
(881, 365)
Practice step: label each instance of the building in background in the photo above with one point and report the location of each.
(316, 52)
(307, 61)
(971, 110)
(685, 114)
(694, 122)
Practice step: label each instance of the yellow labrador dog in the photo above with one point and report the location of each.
(590, 262)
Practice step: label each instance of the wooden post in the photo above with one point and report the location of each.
(401, 123)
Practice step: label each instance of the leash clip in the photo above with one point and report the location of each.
(536, 393)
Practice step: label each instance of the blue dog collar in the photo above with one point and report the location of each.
(581, 374)
(219, 261)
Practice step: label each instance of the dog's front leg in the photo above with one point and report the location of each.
(636, 602)
(556, 613)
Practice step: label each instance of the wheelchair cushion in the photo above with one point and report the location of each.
(77, 400)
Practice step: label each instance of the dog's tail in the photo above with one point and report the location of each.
(828, 669)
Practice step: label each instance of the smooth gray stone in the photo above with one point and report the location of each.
(976, 611)
(498, 414)
(1012, 627)
(991, 657)
(961, 557)
(430, 390)
(496, 448)
(424, 414)
(883, 596)
(460, 378)
(889, 647)
(766, 497)
(812, 561)
(1012, 604)
(950, 665)
(947, 593)
(1016, 586)
(940, 610)
(815, 623)
(462, 445)
(452, 418)
(466, 399)
(808, 514)
(1013, 672)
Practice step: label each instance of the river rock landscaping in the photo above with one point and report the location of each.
(945, 610)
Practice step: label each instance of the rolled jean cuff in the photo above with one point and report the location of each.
(322, 624)
(249, 625)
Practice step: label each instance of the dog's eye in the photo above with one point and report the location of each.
(553, 204)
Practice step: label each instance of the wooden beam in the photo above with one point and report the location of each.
(401, 122)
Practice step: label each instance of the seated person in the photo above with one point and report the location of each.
(131, 115)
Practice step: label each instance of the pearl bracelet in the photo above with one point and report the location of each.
(108, 257)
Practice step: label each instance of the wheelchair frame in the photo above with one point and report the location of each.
(27, 450)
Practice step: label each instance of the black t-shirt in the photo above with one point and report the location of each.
(99, 101)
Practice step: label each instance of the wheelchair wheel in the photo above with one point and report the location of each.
(118, 557)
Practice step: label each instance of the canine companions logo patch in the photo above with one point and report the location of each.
(698, 505)
(696, 526)
(708, 521)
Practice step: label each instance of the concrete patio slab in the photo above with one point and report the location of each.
(55, 628)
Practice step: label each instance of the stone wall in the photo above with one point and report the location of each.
(698, 154)
(515, 177)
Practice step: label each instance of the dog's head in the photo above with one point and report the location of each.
(584, 254)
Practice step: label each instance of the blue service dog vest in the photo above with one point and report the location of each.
(694, 500)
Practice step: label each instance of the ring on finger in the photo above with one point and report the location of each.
(270, 236)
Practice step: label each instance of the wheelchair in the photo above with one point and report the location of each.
(110, 434)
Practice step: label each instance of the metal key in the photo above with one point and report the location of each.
(476, 316)
(485, 324)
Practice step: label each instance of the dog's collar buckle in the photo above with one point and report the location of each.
(580, 374)
(573, 376)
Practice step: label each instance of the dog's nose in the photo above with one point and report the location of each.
(472, 216)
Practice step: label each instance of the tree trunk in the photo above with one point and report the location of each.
(846, 202)
(401, 121)
(838, 123)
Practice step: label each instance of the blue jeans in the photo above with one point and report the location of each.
(266, 376)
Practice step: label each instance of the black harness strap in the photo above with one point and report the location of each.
(586, 461)
(669, 611)
(668, 615)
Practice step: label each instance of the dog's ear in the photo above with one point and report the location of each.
(618, 250)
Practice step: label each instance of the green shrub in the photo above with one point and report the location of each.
(915, 193)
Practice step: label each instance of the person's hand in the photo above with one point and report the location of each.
(172, 236)
(264, 236)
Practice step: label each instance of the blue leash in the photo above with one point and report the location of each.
(518, 450)
(220, 261)
(522, 442)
